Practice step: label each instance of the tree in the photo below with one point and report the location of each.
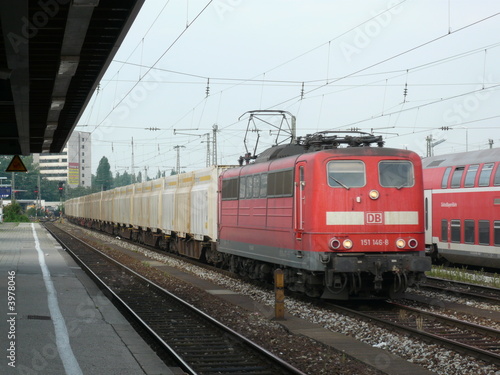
(12, 213)
(103, 178)
(122, 180)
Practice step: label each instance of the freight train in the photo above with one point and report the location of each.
(341, 218)
(462, 207)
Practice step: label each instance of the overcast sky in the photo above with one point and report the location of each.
(399, 68)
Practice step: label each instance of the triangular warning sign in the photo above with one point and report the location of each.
(16, 165)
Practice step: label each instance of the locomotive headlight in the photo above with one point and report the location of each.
(400, 243)
(373, 194)
(347, 244)
(413, 243)
(334, 244)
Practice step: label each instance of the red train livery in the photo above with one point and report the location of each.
(343, 222)
(462, 201)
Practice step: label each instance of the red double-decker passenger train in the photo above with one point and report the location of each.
(341, 222)
(462, 202)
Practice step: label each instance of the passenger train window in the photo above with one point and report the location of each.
(457, 177)
(455, 231)
(444, 230)
(396, 173)
(444, 182)
(469, 231)
(484, 177)
(497, 177)
(470, 176)
(497, 233)
(484, 232)
(346, 173)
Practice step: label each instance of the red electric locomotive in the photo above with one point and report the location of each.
(462, 200)
(342, 222)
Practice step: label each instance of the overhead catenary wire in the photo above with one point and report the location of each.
(311, 88)
(159, 58)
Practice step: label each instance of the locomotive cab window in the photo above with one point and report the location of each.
(396, 173)
(346, 173)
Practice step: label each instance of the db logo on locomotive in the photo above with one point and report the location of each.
(374, 218)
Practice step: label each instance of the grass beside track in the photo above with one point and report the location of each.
(466, 276)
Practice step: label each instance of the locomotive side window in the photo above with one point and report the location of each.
(230, 189)
(444, 230)
(346, 173)
(484, 177)
(256, 186)
(444, 182)
(484, 232)
(497, 233)
(263, 185)
(470, 176)
(469, 231)
(455, 231)
(280, 183)
(249, 188)
(242, 187)
(457, 177)
(396, 173)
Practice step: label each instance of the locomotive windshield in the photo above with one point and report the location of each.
(396, 173)
(346, 173)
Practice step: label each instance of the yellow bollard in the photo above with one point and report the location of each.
(279, 292)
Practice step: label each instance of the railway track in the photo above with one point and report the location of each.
(485, 293)
(466, 338)
(199, 344)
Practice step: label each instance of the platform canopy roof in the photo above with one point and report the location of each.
(53, 54)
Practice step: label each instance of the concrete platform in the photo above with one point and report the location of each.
(55, 320)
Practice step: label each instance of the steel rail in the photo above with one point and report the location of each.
(183, 364)
(475, 351)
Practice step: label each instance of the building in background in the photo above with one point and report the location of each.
(72, 166)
